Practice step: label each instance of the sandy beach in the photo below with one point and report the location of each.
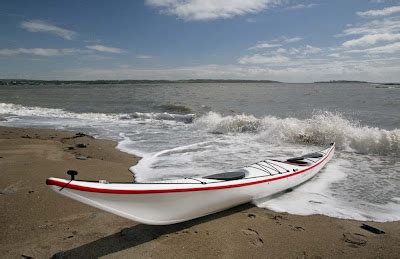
(36, 222)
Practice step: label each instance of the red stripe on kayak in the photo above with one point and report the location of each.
(115, 191)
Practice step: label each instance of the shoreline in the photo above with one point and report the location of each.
(37, 222)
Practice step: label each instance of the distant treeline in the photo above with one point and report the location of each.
(352, 81)
(103, 82)
(341, 81)
(94, 82)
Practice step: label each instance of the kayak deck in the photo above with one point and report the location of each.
(266, 170)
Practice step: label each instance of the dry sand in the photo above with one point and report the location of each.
(36, 222)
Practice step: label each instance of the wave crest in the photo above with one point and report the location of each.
(218, 124)
(321, 129)
(20, 110)
(186, 118)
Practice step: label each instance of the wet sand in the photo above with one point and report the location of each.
(36, 222)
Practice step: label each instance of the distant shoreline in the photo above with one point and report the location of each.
(97, 82)
(60, 82)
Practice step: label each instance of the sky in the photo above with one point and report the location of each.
(284, 40)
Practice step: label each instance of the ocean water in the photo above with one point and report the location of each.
(195, 129)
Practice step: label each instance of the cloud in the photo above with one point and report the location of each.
(371, 40)
(42, 26)
(301, 6)
(264, 46)
(275, 43)
(311, 50)
(103, 48)
(262, 59)
(39, 52)
(93, 41)
(335, 55)
(387, 25)
(382, 12)
(387, 49)
(144, 56)
(297, 52)
(292, 40)
(374, 32)
(202, 10)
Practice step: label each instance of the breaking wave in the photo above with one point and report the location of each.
(20, 110)
(321, 129)
(186, 118)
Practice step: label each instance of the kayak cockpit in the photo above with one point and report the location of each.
(228, 176)
(310, 155)
(302, 160)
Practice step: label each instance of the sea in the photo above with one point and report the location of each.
(195, 129)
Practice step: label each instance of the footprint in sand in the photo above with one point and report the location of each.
(278, 219)
(11, 189)
(354, 239)
(253, 236)
(296, 228)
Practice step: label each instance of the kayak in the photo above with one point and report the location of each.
(177, 200)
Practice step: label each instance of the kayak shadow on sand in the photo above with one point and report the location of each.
(137, 235)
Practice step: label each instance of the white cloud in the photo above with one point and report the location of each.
(301, 6)
(39, 52)
(264, 46)
(93, 41)
(275, 43)
(262, 59)
(299, 51)
(387, 49)
(334, 55)
(382, 12)
(103, 48)
(42, 26)
(144, 56)
(292, 40)
(387, 25)
(371, 40)
(311, 50)
(281, 51)
(201, 10)
(373, 32)
(339, 56)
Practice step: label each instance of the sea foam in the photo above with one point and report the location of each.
(321, 129)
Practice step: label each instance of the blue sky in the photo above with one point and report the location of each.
(285, 40)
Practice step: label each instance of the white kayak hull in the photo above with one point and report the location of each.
(175, 201)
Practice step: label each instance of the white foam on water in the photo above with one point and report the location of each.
(20, 110)
(316, 197)
(172, 163)
(321, 129)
